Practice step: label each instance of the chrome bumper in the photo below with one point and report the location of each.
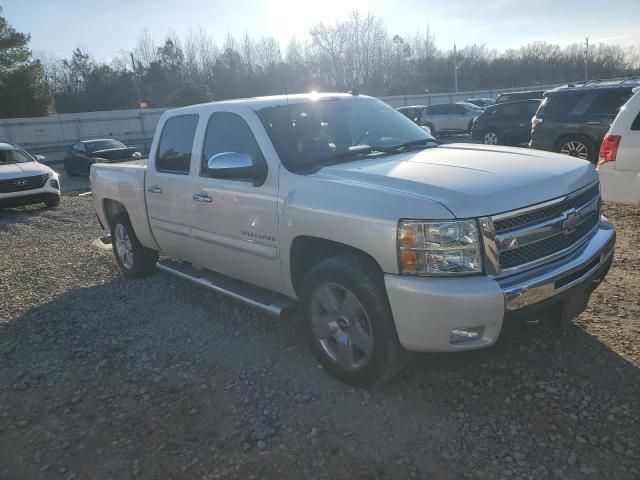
(539, 284)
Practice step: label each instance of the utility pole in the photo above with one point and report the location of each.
(586, 61)
(135, 80)
(455, 67)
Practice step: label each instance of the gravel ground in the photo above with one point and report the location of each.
(102, 378)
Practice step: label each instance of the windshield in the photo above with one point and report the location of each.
(103, 145)
(309, 134)
(10, 154)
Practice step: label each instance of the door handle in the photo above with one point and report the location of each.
(154, 189)
(202, 197)
(594, 123)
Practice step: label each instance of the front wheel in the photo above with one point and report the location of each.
(52, 203)
(134, 260)
(348, 321)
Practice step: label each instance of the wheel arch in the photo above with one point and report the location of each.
(308, 251)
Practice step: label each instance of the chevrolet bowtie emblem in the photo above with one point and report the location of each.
(571, 221)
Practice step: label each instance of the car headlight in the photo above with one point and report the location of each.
(450, 247)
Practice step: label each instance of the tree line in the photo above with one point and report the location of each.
(355, 53)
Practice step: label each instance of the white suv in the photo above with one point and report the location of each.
(449, 117)
(619, 162)
(24, 180)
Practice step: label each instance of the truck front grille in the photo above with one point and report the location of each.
(23, 183)
(534, 235)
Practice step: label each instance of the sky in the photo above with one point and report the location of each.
(109, 27)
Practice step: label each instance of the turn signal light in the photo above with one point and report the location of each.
(609, 149)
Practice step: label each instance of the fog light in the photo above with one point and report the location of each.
(55, 184)
(460, 335)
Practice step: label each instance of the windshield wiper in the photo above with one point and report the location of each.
(406, 145)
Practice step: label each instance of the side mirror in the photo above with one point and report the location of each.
(235, 165)
(39, 158)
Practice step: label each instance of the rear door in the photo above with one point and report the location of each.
(458, 118)
(169, 187)
(235, 228)
(522, 124)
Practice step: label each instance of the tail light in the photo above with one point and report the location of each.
(609, 149)
(535, 121)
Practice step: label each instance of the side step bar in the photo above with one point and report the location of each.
(265, 300)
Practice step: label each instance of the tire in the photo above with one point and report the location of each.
(53, 202)
(577, 146)
(68, 169)
(134, 260)
(491, 137)
(359, 317)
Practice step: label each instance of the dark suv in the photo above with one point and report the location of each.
(574, 120)
(505, 123)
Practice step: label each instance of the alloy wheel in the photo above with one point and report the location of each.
(341, 326)
(575, 148)
(124, 248)
(490, 138)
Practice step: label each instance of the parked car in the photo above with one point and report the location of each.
(505, 123)
(481, 102)
(574, 120)
(412, 112)
(24, 180)
(342, 206)
(83, 154)
(619, 159)
(449, 117)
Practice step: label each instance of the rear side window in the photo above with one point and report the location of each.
(636, 123)
(530, 108)
(608, 102)
(512, 110)
(176, 144)
(562, 102)
(228, 132)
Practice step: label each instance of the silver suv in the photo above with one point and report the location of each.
(449, 117)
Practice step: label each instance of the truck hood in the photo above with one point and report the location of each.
(18, 170)
(471, 180)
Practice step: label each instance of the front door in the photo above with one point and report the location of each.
(168, 186)
(235, 220)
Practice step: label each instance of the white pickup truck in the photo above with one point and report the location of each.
(385, 240)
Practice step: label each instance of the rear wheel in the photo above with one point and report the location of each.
(578, 147)
(349, 322)
(134, 260)
(491, 137)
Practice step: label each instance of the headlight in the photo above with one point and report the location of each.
(439, 248)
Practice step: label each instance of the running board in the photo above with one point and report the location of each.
(265, 300)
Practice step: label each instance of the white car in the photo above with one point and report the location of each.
(383, 238)
(24, 180)
(619, 162)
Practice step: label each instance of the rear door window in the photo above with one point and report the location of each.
(176, 144)
(608, 102)
(636, 123)
(530, 108)
(563, 103)
(512, 110)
